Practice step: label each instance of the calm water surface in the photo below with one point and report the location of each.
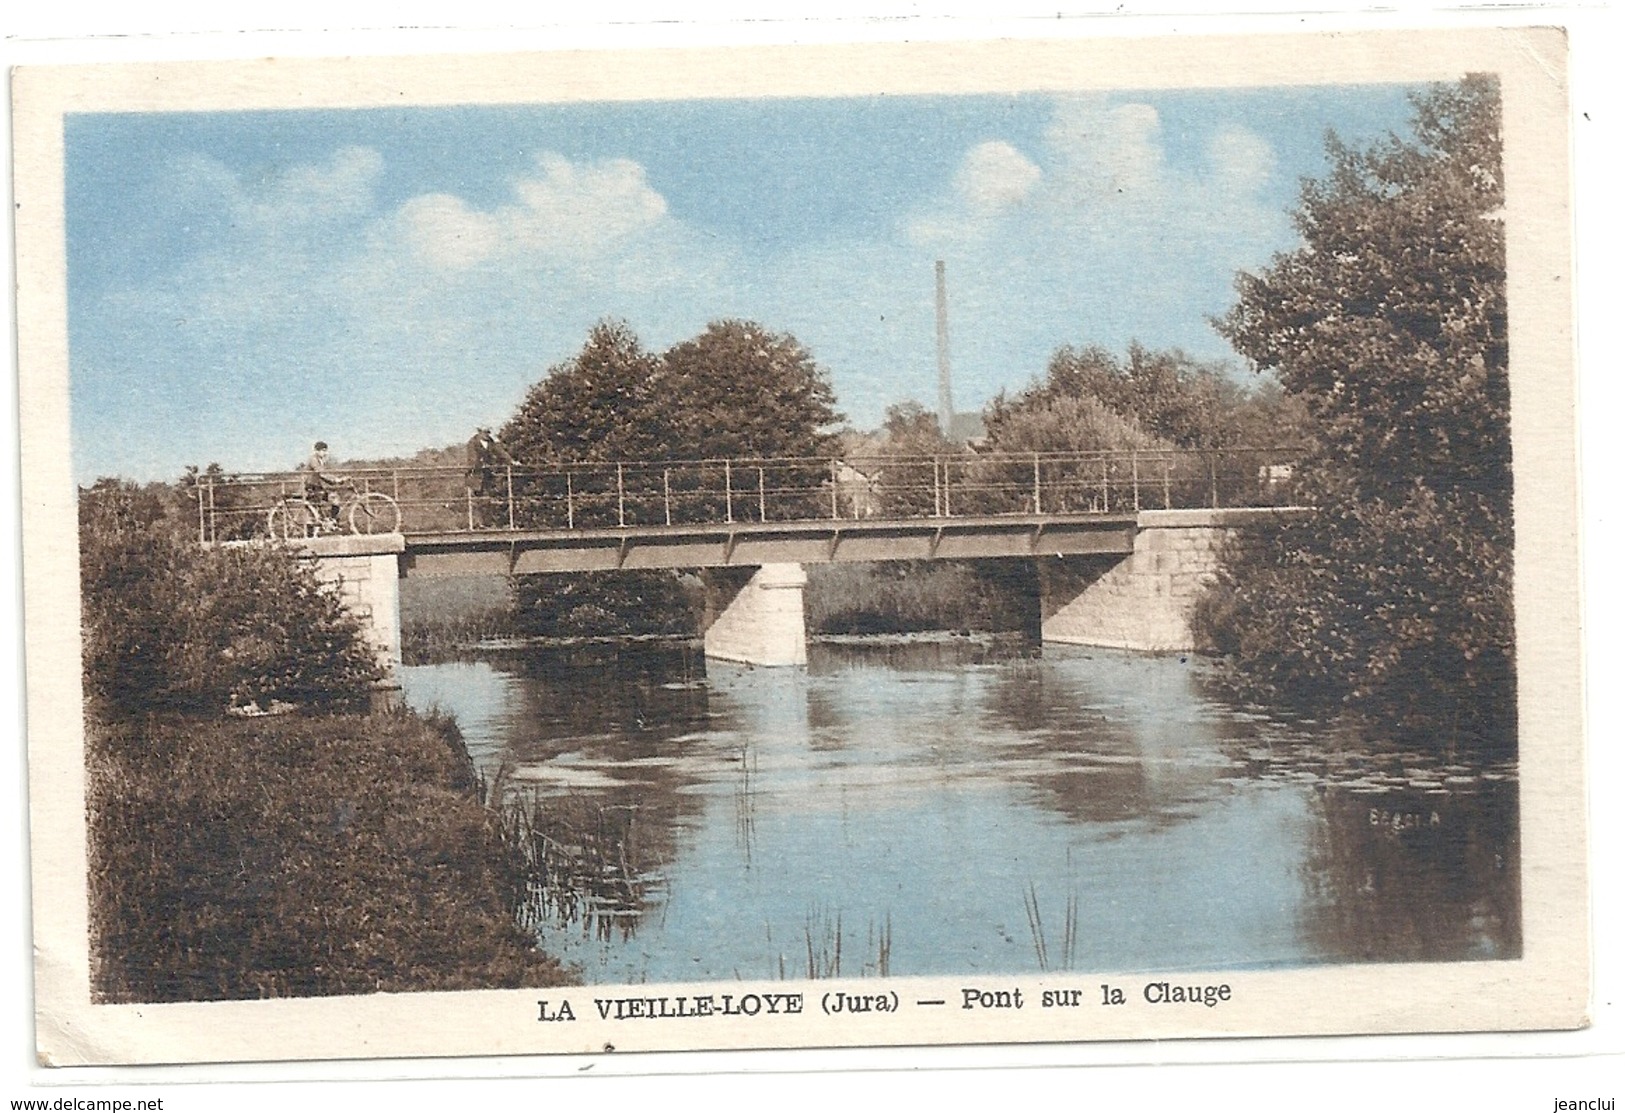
(952, 807)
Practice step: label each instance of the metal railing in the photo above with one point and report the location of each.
(874, 487)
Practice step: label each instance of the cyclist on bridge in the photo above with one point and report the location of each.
(322, 486)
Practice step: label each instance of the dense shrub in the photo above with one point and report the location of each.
(595, 604)
(171, 624)
(443, 617)
(1089, 400)
(297, 856)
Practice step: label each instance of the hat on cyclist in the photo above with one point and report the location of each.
(321, 446)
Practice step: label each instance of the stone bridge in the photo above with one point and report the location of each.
(1125, 581)
(1122, 541)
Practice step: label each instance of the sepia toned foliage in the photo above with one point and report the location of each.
(737, 390)
(171, 624)
(1390, 324)
(297, 856)
(1090, 400)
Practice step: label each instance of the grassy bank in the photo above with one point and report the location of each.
(295, 856)
(444, 616)
(902, 597)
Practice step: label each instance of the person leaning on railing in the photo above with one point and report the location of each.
(486, 454)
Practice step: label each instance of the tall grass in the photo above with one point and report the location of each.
(1069, 930)
(581, 862)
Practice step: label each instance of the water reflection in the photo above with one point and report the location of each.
(963, 806)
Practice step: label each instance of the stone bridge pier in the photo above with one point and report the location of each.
(756, 615)
(1143, 601)
(366, 573)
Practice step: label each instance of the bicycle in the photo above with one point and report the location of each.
(295, 518)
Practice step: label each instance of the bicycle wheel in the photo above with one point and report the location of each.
(293, 520)
(374, 512)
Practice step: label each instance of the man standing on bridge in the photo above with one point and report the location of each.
(485, 455)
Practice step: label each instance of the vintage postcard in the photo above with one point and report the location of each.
(769, 547)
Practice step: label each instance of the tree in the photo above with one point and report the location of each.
(598, 405)
(739, 390)
(909, 425)
(1171, 397)
(736, 390)
(1389, 323)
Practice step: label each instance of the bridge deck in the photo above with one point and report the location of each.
(522, 552)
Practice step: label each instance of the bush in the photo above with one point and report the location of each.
(170, 624)
(1393, 609)
(598, 604)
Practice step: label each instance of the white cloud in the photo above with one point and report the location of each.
(564, 211)
(1102, 151)
(575, 209)
(444, 232)
(995, 176)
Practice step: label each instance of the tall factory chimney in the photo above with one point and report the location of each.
(945, 389)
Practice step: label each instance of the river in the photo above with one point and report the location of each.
(955, 806)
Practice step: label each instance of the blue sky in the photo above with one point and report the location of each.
(241, 284)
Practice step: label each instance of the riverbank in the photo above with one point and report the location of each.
(442, 619)
(300, 855)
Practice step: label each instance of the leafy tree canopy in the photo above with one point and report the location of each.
(737, 390)
(1089, 400)
(1389, 323)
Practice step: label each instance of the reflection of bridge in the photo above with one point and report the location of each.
(1123, 541)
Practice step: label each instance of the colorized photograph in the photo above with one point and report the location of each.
(1056, 541)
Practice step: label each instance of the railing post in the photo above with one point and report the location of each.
(1134, 472)
(1167, 502)
(834, 490)
(1105, 485)
(1038, 495)
(947, 494)
(936, 487)
(509, 470)
(202, 530)
(469, 494)
(728, 487)
(620, 496)
(1213, 479)
(395, 484)
(214, 531)
(665, 488)
(761, 492)
(569, 501)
